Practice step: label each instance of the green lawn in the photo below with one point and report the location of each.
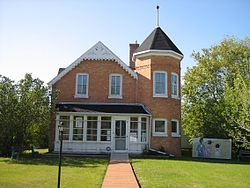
(42, 172)
(191, 173)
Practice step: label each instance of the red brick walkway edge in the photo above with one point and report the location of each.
(120, 175)
(135, 176)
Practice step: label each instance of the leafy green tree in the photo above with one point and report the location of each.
(216, 92)
(8, 105)
(24, 114)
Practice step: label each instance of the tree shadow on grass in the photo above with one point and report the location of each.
(81, 162)
(244, 161)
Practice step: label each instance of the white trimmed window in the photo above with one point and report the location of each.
(143, 129)
(91, 128)
(115, 86)
(78, 128)
(175, 128)
(133, 129)
(160, 127)
(160, 84)
(65, 120)
(106, 129)
(82, 80)
(174, 85)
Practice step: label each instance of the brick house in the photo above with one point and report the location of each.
(108, 106)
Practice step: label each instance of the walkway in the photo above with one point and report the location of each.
(119, 173)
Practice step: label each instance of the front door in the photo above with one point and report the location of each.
(120, 135)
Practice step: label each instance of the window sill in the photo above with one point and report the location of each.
(160, 134)
(81, 96)
(175, 97)
(160, 96)
(114, 97)
(176, 135)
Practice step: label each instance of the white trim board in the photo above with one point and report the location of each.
(97, 52)
(146, 53)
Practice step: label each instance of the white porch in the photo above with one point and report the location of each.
(102, 133)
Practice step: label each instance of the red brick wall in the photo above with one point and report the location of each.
(133, 91)
(98, 90)
(167, 108)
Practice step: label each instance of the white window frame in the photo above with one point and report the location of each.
(110, 80)
(166, 84)
(97, 128)
(138, 132)
(140, 126)
(160, 133)
(172, 95)
(76, 121)
(175, 134)
(109, 134)
(76, 85)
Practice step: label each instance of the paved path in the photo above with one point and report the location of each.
(119, 173)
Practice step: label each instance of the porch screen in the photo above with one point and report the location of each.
(65, 123)
(106, 129)
(143, 129)
(78, 128)
(92, 128)
(133, 129)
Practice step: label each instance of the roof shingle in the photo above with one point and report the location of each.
(158, 40)
(102, 108)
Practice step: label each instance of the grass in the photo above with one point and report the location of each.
(42, 172)
(159, 173)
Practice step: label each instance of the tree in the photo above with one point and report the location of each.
(216, 92)
(24, 114)
(8, 104)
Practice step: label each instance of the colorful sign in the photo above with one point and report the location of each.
(212, 148)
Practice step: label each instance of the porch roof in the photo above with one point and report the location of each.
(109, 108)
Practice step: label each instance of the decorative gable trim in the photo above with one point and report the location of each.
(98, 52)
(146, 53)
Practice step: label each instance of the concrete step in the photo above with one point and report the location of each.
(119, 157)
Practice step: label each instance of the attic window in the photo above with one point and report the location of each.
(115, 86)
(82, 85)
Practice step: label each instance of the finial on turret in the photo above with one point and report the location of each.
(158, 17)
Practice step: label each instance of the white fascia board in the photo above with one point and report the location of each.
(157, 53)
(98, 52)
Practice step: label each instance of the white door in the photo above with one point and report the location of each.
(120, 135)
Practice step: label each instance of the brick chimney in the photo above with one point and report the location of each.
(132, 48)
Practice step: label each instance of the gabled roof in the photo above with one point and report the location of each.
(98, 52)
(104, 108)
(158, 41)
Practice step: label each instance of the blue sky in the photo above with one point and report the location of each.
(39, 36)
